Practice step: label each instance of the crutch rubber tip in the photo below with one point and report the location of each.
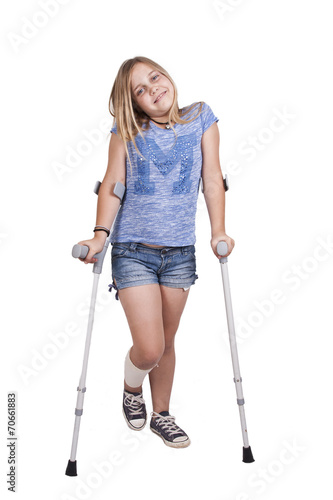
(71, 468)
(247, 455)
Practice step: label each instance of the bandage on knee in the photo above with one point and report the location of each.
(134, 376)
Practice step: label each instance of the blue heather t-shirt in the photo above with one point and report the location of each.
(160, 203)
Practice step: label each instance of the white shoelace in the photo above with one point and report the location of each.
(134, 403)
(167, 423)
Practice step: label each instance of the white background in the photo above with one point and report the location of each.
(249, 60)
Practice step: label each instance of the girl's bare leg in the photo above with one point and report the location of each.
(173, 301)
(143, 308)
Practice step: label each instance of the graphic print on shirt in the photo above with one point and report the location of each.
(151, 154)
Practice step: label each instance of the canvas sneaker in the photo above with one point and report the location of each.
(134, 410)
(164, 426)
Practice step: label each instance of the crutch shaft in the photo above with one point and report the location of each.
(243, 425)
(89, 331)
(81, 251)
(223, 250)
(75, 438)
(81, 388)
(231, 326)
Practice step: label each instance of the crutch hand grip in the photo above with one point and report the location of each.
(80, 251)
(222, 248)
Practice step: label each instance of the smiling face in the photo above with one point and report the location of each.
(152, 91)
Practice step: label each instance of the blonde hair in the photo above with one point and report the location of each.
(129, 117)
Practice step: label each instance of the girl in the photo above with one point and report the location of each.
(160, 152)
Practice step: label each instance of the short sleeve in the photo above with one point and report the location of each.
(114, 128)
(207, 117)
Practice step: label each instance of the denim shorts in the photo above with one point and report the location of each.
(135, 264)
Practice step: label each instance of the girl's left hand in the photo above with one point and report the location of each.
(222, 237)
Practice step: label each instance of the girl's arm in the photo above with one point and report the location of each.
(108, 203)
(213, 187)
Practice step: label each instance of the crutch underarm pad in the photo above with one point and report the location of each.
(119, 190)
(225, 183)
(247, 455)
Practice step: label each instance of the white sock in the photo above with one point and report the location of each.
(133, 375)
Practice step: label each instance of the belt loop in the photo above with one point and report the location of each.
(132, 247)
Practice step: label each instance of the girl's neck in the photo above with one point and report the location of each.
(161, 122)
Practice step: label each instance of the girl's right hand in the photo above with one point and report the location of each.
(95, 245)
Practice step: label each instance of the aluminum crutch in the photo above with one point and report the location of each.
(81, 251)
(222, 249)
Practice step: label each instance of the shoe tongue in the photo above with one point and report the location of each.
(164, 413)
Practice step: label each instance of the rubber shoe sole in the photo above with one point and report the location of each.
(139, 422)
(177, 444)
(132, 426)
